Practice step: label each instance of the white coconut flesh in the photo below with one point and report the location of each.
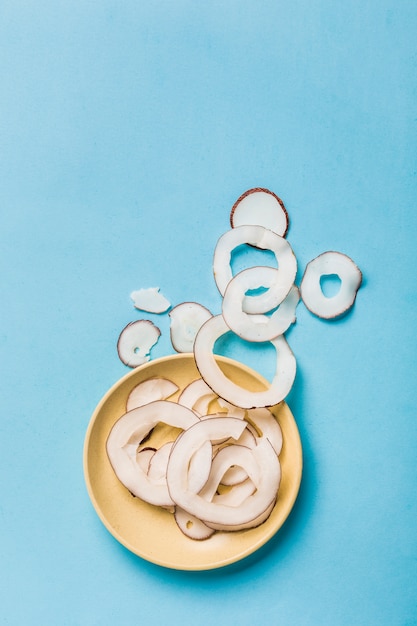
(150, 390)
(230, 409)
(253, 506)
(261, 207)
(126, 436)
(136, 341)
(224, 387)
(267, 426)
(191, 526)
(330, 263)
(150, 300)
(232, 460)
(143, 458)
(251, 327)
(197, 396)
(263, 239)
(186, 319)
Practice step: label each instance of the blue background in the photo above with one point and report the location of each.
(127, 131)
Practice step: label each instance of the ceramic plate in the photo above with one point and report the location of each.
(151, 532)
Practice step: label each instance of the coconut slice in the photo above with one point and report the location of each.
(252, 507)
(227, 389)
(327, 264)
(260, 206)
(257, 327)
(143, 458)
(264, 239)
(191, 526)
(128, 433)
(150, 300)
(226, 458)
(186, 320)
(197, 396)
(267, 426)
(136, 341)
(150, 390)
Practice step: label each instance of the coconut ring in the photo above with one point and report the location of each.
(209, 370)
(326, 264)
(253, 327)
(264, 239)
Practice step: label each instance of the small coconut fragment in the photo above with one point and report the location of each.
(186, 320)
(263, 239)
(150, 300)
(150, 390)
(326, 264)
(224, 387)
(136, 341)
(263, 207)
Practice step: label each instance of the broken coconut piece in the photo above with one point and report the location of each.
(136, 341)
(263, 207)
(186, 320)
(224, 387)
(264, 239)
(150, 300)
(150, 390)
(253, 327)
(327, 264)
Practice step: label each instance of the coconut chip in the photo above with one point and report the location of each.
(150, 300)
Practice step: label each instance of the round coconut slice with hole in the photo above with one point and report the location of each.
(328, 264)
(267, 426)
(253, 327)
(264, 239)
(263, 207)
(126, 436)
(191, 526)
(186, 320)
(150, 300)
(136, 342)
(224, 387)
(250, 510)
(150, 390)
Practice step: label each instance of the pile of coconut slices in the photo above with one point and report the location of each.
(222, 471)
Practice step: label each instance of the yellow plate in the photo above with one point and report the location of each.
(151, 532)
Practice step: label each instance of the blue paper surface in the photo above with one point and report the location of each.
(127, 131)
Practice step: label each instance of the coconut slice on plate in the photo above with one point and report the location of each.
(263, 239)
(263, 207)
(136, 341)
(227, 389)
(248, 512)
(191, 526)
(126, 436)
(267, 426)
(328, 264)
(197, 396)
(150, 390)
(253, 327)
(186, 319)
(150, 300)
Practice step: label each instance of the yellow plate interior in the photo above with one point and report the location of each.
(151, 532)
